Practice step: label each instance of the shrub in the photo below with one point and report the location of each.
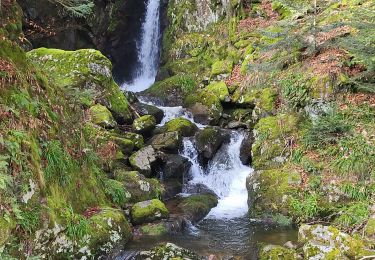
(295, 91)
(76, 225)
(306, 208)
(353, 215)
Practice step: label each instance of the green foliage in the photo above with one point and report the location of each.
(358, 192)
(295, 91)
(327, 129)
(353, 215)
(116, 191)
(60, 165)
(29, 220)
(5, 178)
(76, 8)
(355, 156)
(305, 208)
(76, 225)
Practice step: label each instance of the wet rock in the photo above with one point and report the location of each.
(236, 125)
(101, 116)
(273, 252)
(145, 109)
(198, 188)
(172, 187)
(144, 160)
(205, 107)
(174, 166)
(327, 242)
(184, 127)
(208, 141)
(167, 142)
(139, 187)
(144, 124)
(148, 211)
(246, 148)
(168, 251)
(197, 206)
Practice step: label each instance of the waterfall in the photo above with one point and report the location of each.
(148, 51)
(225, 175)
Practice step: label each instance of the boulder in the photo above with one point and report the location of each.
(222, 67)
(154, 229)
(246, 148)
(184, 127)
(101, 116)
(273, 252)
(174, 166)
(144, 124)
(137, 139)
(144, 160)
(197, 188)
(146, 109)
(197, 206)
(205, 107)
(88, 71)
(168, 251)
(167, 142)
(148, 211)
(208, 141)
(327, 242)
(139, 187)
(220, 90)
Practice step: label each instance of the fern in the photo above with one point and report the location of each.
(76, 8)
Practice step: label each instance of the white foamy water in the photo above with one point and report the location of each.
(226, 176)
(148, 53)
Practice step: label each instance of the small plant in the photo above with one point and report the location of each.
(353, 215)
(328, 129)
(60, 165)
(116, 191)
(358, 192)
(76, 225)
(29, 220)
(76, 8)
(295, 91)
(306, 208)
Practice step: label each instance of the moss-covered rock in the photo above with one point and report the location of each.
(270, 190)
(143, 160)
(263, 100)
(138, 186)
(101, 116)
(327, 242)
(108, 229)
(197, 206)
(146, 109)
(208, 141)
(148, 211)
(272, 137)
(220, 90)
(272, 252)
(154, 229)
(184, 127)
(144, 124)
(168, 142)
(205, 107)
(221, 67)
(168, 251)
(87, 70)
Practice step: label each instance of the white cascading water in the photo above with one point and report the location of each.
(148, 53)
(225, 175)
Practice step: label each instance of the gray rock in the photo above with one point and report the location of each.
(144, 160)
(208, 141)
(174, 166)
(246, 147)
(167, 142)
(145, 109)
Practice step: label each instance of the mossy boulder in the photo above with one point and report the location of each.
(137, 139)
(273, 252)
(144, 160)
(168, 251)
(182, 126)
(327, 242)
(221, 67)
(154, 229)
(220, 90)
(167, 142)
(171, 91)
(87, 70)
(208, 141)
(108, 229)
(197, 206)
(146, 109)
(144, 124)
(100, 115)
(175, 166)
(140, 187)
(272, 137)
(205, 107)
(270, 190)
(148, 211)
(262, 100)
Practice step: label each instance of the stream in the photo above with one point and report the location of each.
(227, 230)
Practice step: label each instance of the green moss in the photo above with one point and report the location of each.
(158, 229)
(144, 124)
(181, 125)
(219, 89)
(197, 206)
(271, 252)
(6, 227)
(148, 211)
(221, 67)
(101, 116)
(370, 227)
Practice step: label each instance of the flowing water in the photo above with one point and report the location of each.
(227, 230)
(148, 51)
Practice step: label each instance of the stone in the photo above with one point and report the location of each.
(144, 124)
(208, 141)
(220, 90)
(221, 67)
(246, 148)
(101, 116)
(273, 252)
(197, 188)
(184, 127)
(168, 251)
(167, 142)
(205, 107)
(175, 166)
(146, 109)
(197, 206)
(144, 160)
(148, 211)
